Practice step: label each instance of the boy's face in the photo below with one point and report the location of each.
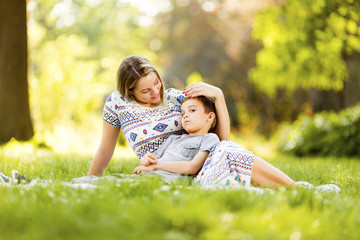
(194, 118)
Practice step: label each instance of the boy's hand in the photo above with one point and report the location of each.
(142, 168)
(148, 159)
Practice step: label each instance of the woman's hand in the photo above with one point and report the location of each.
(142, 168)
(202, 89)
(222, 128)
(148, 159)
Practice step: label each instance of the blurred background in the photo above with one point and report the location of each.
(280, 64)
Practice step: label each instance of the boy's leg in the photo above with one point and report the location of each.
(266, 175)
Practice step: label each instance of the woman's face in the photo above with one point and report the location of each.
(147, 90)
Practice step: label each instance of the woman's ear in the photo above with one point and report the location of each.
(130, 93)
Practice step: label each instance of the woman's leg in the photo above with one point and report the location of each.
(229, 164)
(266, 175)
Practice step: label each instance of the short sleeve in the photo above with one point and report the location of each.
(209, 141)
(175, 96)
(161, 150)
(110, 110)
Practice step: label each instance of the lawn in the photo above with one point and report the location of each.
(151, 210)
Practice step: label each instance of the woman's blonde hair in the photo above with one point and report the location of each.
(131, 69)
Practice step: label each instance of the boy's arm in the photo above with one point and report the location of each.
(151, 158)
(148, 159)
(181, 167)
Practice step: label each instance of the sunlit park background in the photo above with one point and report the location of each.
(290, 73)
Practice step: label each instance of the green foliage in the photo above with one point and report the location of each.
(75, 48)
(151, 210)
(305, 44)
(327, 133)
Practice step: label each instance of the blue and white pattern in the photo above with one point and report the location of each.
(160, 127)
(228, 164)
(145, 129)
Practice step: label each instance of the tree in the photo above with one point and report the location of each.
(306, 43)
(15, 120)
(215, 40)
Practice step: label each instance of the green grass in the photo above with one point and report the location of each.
(150, 210)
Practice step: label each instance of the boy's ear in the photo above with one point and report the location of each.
(211, 116)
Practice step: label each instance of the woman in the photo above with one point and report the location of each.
(148, 114)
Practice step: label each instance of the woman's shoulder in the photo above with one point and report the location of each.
(173, 91)
(174, 95)
(116, 98)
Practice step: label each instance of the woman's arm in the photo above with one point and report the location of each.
(222, 128)
(105, 151)
(181, 167)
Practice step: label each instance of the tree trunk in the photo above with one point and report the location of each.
(15, 120)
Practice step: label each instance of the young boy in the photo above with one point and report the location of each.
(185, 154)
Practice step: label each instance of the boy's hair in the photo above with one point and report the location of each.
(209, 106)
(131, 69)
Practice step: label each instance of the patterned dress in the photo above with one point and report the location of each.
(228, 164)
(145, 129)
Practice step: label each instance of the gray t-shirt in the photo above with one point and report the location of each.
(182, 148)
